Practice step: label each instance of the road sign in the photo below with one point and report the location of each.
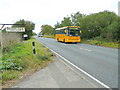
(15, 29)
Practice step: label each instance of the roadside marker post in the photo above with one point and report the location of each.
(33, 45)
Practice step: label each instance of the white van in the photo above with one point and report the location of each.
(40, 34)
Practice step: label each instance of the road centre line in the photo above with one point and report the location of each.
(80, 48)
(85, 49)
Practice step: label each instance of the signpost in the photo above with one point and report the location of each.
(15, 29)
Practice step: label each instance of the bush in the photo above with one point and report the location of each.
(98, 38)
(43, 57)
(5, 49)
(12, 64)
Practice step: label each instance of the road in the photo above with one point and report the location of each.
(56, 75)
(99, 62)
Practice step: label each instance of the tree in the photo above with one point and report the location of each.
(108, 22)
(47, 30)
(76, 18)
(66, 22)
(33, 33)
(57, 25)
(111, 33)
(29, 26)
(99, 24)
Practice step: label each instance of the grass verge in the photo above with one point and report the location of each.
(101, 43)
(20, 59)
(49, 36)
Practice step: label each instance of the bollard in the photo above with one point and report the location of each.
(33, 45)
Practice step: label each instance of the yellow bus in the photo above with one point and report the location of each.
(68, 34)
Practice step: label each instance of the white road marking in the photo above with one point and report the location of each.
(81, 70)
(80, 47)
(63, 43)
(85, 49)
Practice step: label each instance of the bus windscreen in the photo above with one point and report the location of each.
(74, 32)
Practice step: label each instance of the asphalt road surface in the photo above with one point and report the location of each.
(99, 62)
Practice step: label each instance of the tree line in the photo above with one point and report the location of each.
(101, 26)
(28, 25)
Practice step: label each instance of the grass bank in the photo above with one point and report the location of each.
(19, 59)
(101, 43)
(49, 36)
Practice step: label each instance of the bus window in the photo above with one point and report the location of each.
(74, 32)
(77, 33)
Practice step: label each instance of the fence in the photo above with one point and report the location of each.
(8, 39)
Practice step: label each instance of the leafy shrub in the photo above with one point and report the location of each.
(12, 64)
(43, 57)
(98, 42)
(6, 49)
(98, 38)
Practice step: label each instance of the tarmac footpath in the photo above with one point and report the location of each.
(56, 75)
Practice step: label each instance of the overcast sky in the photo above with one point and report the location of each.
(50, 11)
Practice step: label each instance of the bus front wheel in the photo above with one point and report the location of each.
(64, 41)
(57, 39)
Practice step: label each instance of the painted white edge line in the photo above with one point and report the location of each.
(82, 70)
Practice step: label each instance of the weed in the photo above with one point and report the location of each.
(42, 57)
(101, 43)
(49, 36)
(9, 75)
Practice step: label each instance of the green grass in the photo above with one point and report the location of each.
(20, 58)
(9, 75)
(101, 43)
(49, 36)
